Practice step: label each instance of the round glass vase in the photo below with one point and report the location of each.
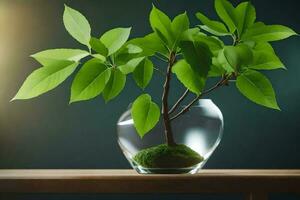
(199, 131)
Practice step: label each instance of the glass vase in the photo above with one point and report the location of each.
(199, 130)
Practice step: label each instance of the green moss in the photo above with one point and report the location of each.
(164, 156)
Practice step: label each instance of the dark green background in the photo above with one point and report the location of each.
(48, 133)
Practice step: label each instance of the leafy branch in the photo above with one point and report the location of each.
(222, 82)
(194, 54)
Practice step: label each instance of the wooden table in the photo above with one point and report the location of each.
(255, 184)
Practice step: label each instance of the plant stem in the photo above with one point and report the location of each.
(165, 107)
(185, 109)
(235, 40)
(179, 101)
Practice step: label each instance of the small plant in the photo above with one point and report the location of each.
(192, 54)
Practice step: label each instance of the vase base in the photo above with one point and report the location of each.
(188, 170)
(164, 156)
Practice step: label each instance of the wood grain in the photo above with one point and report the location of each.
(128, 181)
(257, 196)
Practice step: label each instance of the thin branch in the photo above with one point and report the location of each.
(185, 109)
(220, 83)
(178, 54)
(179, 101)
(160, 58)
(233, 40)
(159, 71)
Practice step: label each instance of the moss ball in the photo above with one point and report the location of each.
(164, 156)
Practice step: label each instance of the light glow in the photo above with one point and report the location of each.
(195, 139)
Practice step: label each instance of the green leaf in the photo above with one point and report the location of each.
(150, 44)
(130, 66)
(212, 31)
(224, 62)
(115, 85)
(128, 52)
(237, 56)
(133, 49)
(267, 33)
(216, 69)
(266, 61)
(187, 76)
(213, 43)
(198, 55)
(179, 25)
(145, 114)
(143, 73)
(161, 25)
(167, 44)
(244, 53)
(99, 57)
(226, 12)
(245, 15)
(98, 46)
(250, 44)
(89, 81)
(214, 27)
(77, 25)
(51, 56)
(256, 87)
(264, 58)
(190, 34)
(45, 79)
(114, 39)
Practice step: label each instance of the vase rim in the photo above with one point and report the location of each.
(204, 100)
(201, 102)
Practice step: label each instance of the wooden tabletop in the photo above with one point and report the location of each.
(128, 181)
